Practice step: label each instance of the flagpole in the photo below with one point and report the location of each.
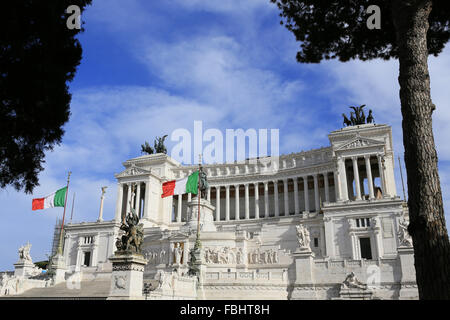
(198, 196)
(60, 250)
(73, 203)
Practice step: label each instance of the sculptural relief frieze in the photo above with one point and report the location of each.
(155, 256)
(269, 256)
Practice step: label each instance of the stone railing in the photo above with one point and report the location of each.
(244, 276)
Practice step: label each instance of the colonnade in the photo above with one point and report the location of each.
(261, 210)
(345, 183)
(139, 201)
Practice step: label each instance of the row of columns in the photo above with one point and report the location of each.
(342, 185)
(257, 212)
(137, 196)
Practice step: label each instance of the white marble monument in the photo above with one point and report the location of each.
(296, 232)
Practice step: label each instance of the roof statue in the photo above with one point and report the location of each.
(158, 146)
(357, 117)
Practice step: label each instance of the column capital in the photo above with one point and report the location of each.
(354, 158)
(256, 183)
(227, 187)
(285, 180)
(367, 156)
(266, 183)
(217, 187)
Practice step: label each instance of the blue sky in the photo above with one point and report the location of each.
(150, 67)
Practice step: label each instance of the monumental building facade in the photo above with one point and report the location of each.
(320, 224)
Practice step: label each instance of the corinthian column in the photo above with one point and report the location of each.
(369, 177)
(356, 175)
(137, 205)
(119, 200)
(286, 197)
(382, 177)
(227, 203)
(266, 199)
(218, 203)
(236, 202)
(327, 188)
(147, 200)
(247, 204)
(306, 192)
(316, 194)
(256, 200)
(342, 179)
(180, 202)
(128, 198)
(296, 208)
(275, 197)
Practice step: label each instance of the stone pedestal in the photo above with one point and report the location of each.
(206, 215)
(304, 273)
(355, 294)
(59, 268)
(408, 288)
(202, 272)
(127, 278)
(23, 268)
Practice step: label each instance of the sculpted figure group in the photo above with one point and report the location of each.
(155, 257)
(268, 257)
(351, 281)
(224, 255)
(24, 253)
(403, 235)
(357, 116)
(227, 255)
(303, 237)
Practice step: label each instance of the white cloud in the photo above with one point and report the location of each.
(223, 74)
(229, 6)
(375, 84)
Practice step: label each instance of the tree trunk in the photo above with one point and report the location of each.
(426, 212)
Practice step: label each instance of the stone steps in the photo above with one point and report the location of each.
(95, 289)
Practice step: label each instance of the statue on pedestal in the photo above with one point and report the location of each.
(134, 234)
(403, 235)
(24, 253)
(303, 237)
(178, 253)
(203, 183)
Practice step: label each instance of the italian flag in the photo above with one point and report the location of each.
(181, 186)
(56, 199)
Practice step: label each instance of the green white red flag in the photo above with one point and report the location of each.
(181, 186)
(56, 199)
